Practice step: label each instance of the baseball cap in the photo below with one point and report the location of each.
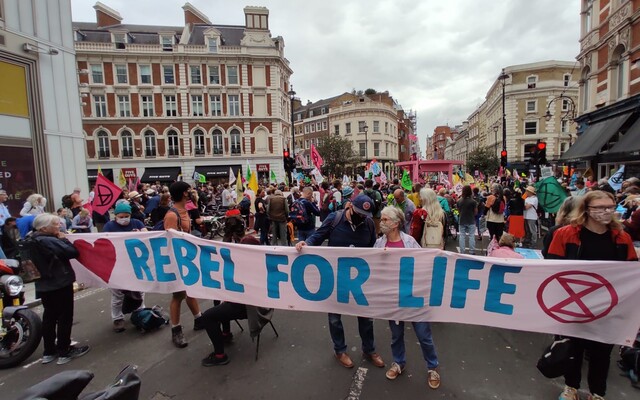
(362, 205)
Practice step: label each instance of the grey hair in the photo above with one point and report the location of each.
(45, 220)
(394, 214)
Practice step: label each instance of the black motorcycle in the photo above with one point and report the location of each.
(21, 328)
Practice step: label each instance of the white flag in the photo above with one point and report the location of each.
(345, 180)
(317, 175)
(232, 177)
(616, 179)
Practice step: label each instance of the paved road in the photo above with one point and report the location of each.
(476, 362)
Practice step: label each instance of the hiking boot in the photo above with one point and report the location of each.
(198, 324)
(569, 393)
(213, 360)
(433, 379)
(394, 371)
(178, 337)
(118, 325)
(375, 359)
(46, 359)
(73, 352)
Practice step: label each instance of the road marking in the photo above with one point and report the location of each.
(357, 383)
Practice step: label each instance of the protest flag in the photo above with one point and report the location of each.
(550, 194)
(239, 187)
(273, 178)
(232, 177)
(406, 181)
(106, 193)
(616, 179)
(316, 159)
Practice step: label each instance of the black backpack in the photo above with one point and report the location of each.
(376, 198)
(159, 226)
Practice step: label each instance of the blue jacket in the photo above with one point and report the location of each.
(312, 211)
(343, 235)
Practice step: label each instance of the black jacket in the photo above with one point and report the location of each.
(53, 262)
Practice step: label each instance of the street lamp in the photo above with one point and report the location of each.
(568, 114)
(365, 128)
(503, 77)
(292, 97)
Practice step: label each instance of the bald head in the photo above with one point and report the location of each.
(398, 195)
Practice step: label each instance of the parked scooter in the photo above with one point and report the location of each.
(21, 328)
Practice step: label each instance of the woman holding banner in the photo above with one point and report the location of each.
(593, 234)
(391, 223)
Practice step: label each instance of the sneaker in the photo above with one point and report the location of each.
(74, 352)
(118, 325)
(394, 371)
(569, 393)
(198, 324)
(375, 359)
(433, 379)
(178, 337)
(595, 397)
(213, 360)
(48, 358)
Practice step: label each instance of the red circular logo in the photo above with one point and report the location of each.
(576, 297)
(366, 206)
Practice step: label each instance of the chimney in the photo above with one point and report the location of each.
(194, 16)
(106, 16)
(256, 18)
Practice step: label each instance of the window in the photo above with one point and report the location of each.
(214, 75)
(585, 89)
(318, 126)
(386, 149)
(563, 147)
(564, 126)
(531, 106)
(170, 107)
(348, 128)
(150, 149)
(127, 144)
(324, 125)
(196, 78)
(376, 126)
(173, 149)
(124, 106)
(376, 149)
(386, 127)
(620, 79)
(531, 82)
(198, 143)
(215, 105)
(306, 144)
(232, 75)
(100, 106)
(217, 142)
(103, 145)
(362, 149)
(306, 128)
(147, 105)
(234, 105)
(145, 74)
(530, 127)
(197, 108)
(361, 126)
(336, 129)
(120, 40)
(121, 73)
(167, 71)
(213, 45)
(313, 128)
(566, 80)
(565, 105)
(529, 150)
(235, 142)
(588, 12)
(96, 73)
(167, 42)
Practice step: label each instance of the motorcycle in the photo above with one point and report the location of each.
(21, 328)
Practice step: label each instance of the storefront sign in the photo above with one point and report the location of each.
(262, 167)
(130, 173)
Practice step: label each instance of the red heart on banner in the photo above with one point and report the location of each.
(98, 257)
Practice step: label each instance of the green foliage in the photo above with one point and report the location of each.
(338, 155)
(370, 91)
(483, 159)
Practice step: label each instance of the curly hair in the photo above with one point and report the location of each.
(579, 216)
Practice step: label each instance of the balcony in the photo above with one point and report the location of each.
(127, 153)
(104, 154)
(150, 152)
(199, 151)
(173, 151)
(217, 151)
(235, 150)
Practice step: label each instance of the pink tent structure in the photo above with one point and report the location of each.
(418, 168)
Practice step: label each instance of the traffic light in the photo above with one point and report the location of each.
(503, 158)
(292, 163)
(541, 148)
(285, 159)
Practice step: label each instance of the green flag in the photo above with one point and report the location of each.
(550, 194)
(203, 178)
(406, 181)
(273, 177)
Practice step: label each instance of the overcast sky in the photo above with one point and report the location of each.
(435, 57)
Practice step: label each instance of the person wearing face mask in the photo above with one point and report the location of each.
(351, 227)
(391, 224)
(593, 234)
(122, 223)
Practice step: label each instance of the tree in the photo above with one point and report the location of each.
(370, 91)
(338, 155)
(483, 159)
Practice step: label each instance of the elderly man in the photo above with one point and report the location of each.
(406, 206)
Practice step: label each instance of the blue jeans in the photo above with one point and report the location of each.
(423, 333)
(465, 230)
(365, 328)
(303, 235)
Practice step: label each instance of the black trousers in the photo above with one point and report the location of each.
(57, 319)
(218, 319)
(599, 359)
(495, 228)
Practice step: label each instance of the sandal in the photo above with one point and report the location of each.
(433, 379)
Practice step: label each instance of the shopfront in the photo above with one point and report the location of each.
(263, 173)
(92, 175)
(164, 175)
(17, 175)
(218, 174)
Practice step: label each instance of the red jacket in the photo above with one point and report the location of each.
(632, 225)
(566, 244)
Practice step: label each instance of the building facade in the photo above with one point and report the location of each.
(41, 140)
(437, 145)
(163, 102)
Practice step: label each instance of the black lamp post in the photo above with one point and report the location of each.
(503, 77)
(365, 128)
(567, 115)
(292, 152)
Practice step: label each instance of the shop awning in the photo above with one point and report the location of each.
(218, 171)
(92, 174)
(630, 142)
(589, 144)
(162, 174)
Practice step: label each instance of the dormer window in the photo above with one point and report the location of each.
(79, 36)
(531, 82)
(167, 42)
(213, 44)
(119, 39)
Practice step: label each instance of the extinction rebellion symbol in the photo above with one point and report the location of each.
(576, 297)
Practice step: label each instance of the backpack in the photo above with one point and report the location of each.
(629, 362)
(377, 200)
(555, 358)
(148, 319)
(328, 203)
(498, 206)
(159, 226)
(245, 205)
(340, 214)
(35, 260)
(66, 201)
(432, 233)
(298, 213)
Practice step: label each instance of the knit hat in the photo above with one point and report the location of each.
(348, 191)
(363, 205)
(122, 208)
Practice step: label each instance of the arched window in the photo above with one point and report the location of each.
(150, 148)
(103, 145)
(586, 89)
(127, 144)
(198, 143)
(618, 73)
(217, 142)
(173, 146)
(235, 142)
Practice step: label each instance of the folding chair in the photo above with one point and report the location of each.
(256, 339)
